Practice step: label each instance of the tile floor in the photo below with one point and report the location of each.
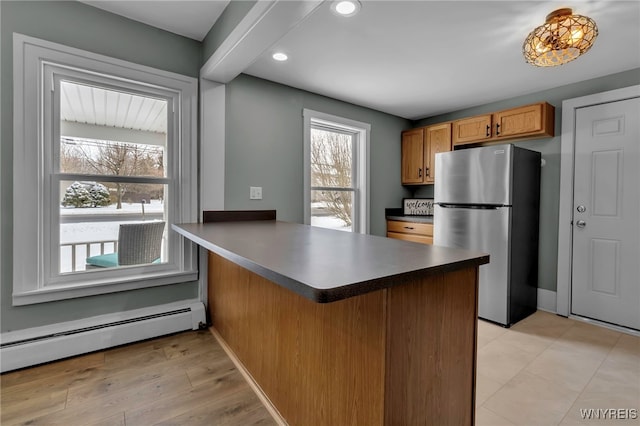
(546, 368)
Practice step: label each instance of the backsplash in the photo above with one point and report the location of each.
(425, 191)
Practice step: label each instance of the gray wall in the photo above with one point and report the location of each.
(264, 147)
(78, 25)
(550, 149)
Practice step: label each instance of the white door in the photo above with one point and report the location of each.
(606, 213)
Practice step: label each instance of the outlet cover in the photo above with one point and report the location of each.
(255, 193)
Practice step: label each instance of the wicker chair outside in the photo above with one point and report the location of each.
(139, 242)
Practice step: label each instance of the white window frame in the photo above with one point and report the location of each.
(38, 67)
(360, 178)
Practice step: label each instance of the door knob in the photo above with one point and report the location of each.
(581, 209)
(581, 224)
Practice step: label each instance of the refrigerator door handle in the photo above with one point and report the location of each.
(471, 206)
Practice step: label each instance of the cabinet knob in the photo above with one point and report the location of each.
(488, 130)
(497, 129)
(427, 171)
(420, 172)
(408, 227)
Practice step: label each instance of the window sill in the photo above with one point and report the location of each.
(70, 291)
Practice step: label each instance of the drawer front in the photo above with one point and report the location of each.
(425, 229)
(410, 237)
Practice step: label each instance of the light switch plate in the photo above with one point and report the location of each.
(255, 193)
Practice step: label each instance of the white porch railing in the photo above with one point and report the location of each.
(73, 255)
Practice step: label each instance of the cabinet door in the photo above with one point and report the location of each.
(412, 156)
(418, 228)
(472, 129)
(438, 139)
(518, 121)
(410, 237)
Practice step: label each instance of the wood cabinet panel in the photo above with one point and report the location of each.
(421, 319)
(410, 231)
(472, 129)
(525, 122)
(529, 120)
(410, 237)
(419, 149)
(438, 139)
(405, 355)
(412, 156)
(410, 227)
(318, 363)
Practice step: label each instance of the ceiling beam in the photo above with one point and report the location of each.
(264, 24)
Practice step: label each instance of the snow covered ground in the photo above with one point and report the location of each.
(101, 230)
(156, 206)
(320, 216)
(330, 222)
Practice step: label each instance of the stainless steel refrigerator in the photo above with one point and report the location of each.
(487, 199)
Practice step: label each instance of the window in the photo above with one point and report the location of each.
(336, 172)
(111, 170)
(104, 162)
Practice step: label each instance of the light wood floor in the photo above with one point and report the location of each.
(183, 379)
(542, 371)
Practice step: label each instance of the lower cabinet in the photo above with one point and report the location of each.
(417, 232)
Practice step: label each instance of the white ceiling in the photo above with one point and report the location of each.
(416, 59)
(187, 18)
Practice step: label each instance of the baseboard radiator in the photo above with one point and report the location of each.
(29, 347)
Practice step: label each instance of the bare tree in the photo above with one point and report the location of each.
(69, 160)
(111, 158)
(331, 167)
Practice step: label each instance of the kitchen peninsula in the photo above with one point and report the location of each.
(337, 328)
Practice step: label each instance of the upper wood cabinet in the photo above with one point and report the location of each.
(438, 139)
(412, 156)
(472, 129)
(529, 121)
(419, 148)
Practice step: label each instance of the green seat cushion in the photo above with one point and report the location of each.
(104, 260)
(108, 260)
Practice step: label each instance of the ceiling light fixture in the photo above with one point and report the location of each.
(280, 57)
(561, 39)
(346, 7)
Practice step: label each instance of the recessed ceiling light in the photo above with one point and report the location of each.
(279, 56)
(345, 7)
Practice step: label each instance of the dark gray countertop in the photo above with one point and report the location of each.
(322, 264)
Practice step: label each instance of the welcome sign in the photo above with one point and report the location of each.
(417, 206)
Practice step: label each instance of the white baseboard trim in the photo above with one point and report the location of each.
(547, 300)
(25, 348)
